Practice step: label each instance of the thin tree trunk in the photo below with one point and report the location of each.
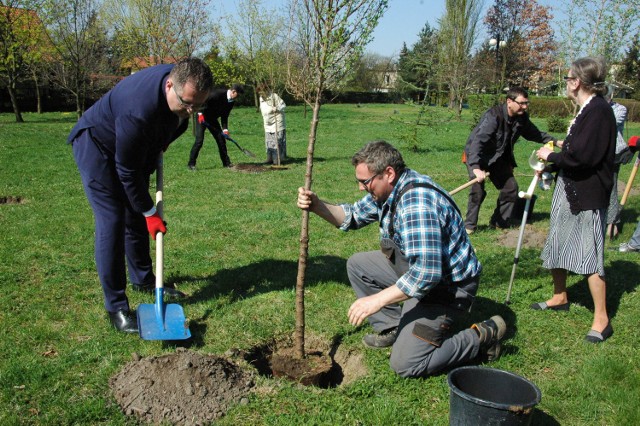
(38, 97)
(14, 102)
(304, 237)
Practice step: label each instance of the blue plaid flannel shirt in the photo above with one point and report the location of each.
(428, 230)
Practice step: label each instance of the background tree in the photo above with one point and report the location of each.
(418, 66)
(224, 69)
(529, 55)
(254, 41)
(368, 73)
(629, 71)
(80, 43)
(458, 34)
(160, 31)
(21, 36)
(327, 38)
(598, 27)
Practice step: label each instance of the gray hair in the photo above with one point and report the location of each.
(378, 155)
(192, 70)
(592, 72)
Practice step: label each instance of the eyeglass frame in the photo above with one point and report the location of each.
(525, 103)
(185, 105)
(366, 182)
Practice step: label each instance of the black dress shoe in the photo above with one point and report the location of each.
(124, 320)
(169, 291)
(542, 306)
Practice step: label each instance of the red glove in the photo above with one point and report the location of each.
(155, 224)
(225, 132)
(200, 118)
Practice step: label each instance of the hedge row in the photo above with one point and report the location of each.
(543, 107)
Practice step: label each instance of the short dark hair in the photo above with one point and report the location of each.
(378, 155)
(238, 88)
(193, 70)
(516, 91)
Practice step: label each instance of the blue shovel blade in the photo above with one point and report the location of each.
(170, 324)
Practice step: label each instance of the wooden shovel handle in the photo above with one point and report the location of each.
(466, 185)
(632, 176)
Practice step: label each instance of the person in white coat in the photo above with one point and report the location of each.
(275, 133)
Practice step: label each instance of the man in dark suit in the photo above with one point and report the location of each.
(215, 117)
(489, 150)
(116, 145)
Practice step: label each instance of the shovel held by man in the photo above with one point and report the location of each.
(538, 166)
(161, 321)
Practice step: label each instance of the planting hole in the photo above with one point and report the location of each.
(324, 365)
(8, 199)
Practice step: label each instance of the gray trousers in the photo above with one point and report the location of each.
(635, 238)
(424, 345)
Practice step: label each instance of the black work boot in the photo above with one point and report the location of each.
(383, 339)
(490, 333)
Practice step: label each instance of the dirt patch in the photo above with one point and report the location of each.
(10, 200)
(531, 238)
(327, 364)
(634, 191)
(183, 388)
(250, 168)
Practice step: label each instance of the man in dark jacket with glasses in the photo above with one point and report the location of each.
(489, 150)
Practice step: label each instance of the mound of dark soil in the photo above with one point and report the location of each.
(183, 388)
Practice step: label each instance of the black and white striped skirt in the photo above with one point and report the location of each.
(575, 241)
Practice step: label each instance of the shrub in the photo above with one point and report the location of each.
(543, 107)
(633, 108)
(556, 124)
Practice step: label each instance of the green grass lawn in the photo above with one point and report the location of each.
(233, 244)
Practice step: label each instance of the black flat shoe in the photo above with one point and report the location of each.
(124, 320)
(595, 337)
(542, 306)
(170, 292)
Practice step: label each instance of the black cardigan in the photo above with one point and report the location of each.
(587, 155)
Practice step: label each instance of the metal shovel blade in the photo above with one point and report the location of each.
(244, 151)
(162, 322)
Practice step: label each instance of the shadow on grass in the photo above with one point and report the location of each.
(621, 278)
(264, 277)
(45, 120)
(254, 279)
(628, 218)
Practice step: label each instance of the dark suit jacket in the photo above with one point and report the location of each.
(131, 124)
(495, 135)
(218, 107)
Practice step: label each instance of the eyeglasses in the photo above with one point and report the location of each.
(568, 77)
(523, 103)
(366, 182)
(185, 105)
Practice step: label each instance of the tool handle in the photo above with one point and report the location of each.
(159, 235)
(532, 187)
(465, 185)
(632, 176)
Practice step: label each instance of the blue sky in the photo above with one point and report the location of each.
(400, 24)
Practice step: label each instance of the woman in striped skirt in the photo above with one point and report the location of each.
(584, 169)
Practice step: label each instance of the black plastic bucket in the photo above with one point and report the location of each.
(487, 396)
